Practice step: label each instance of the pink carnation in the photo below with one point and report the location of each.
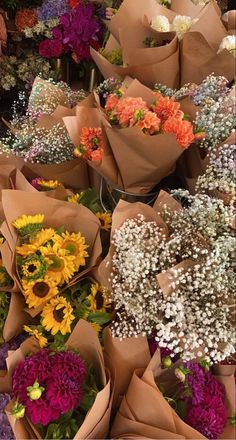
(50, 48)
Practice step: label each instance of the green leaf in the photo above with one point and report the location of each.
(60, 230)
(100, 317)
(181, 408)
(90, 200)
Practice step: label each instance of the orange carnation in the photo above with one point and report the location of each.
(166, 108)
(26, 18)
(183, 131)
(111, 102)
(149, 122)
(91, 144)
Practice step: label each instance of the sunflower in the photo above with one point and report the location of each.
(99, 298)
(75, 198)
(96, 327)
(40, 239)
(61, 266)
(39, 291)
(105, 220)
(75, 245)
(28, 224)
(48, 185)
(37, 335)
(34, 267)
(57, 316)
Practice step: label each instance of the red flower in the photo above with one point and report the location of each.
(183, 131)
(73, 3)
(50, 48)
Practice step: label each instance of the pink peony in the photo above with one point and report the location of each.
(50, 48)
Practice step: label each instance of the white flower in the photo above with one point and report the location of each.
(182, 24)
(28, 32)
(228, 43)
(160, 23)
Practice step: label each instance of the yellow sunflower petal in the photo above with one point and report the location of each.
(57, 315)
(105, 220)
(39, 291)
(37, 335)
(25, 220)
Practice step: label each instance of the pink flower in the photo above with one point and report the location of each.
(41, 411)
(50, 48)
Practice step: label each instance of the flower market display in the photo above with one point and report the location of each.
(117, 219)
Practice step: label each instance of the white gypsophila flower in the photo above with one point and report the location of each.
(228, 43)
(160, 23)
(220, 172)
(181, 24)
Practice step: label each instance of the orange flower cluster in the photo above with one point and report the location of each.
(26, 18)
(91, 144)
(164, 116)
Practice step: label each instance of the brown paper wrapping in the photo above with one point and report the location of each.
(229, 20)
(199, 59)
(214, 33)
(16, 318)
(96, 423)
(192, 165)
(186, 7)
(145, 412)
(124, 357)
(57, 213)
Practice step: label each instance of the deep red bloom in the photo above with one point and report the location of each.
(50, 48)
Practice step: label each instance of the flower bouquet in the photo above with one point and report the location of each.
(67, 231)
(138, 125)
(65, 394)
(187, 402)
(170, 269)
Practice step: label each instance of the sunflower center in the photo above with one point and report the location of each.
(99, 300)
(71, 247)
(32, 268)
(58, 314)
(41, 289)
(57, 264)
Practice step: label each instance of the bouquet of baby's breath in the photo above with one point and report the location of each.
(220, 173)
(173, 272)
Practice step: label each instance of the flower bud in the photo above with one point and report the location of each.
(166, 362)
(180, 374)
(18, 410)
(35, 392)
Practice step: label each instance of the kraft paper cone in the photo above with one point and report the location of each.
(124, 356)
(106, 68)
(136, 89)
(229, 20)
(12, 178)
(153, 157)
(16, 318)
(199, 59)
(186, 7)
(145, 405)
(122, 212)
(189, 108)
(5, 171)
(57, 213)
(96, 423)
(192, 165)
(226, 375)
(213, 33)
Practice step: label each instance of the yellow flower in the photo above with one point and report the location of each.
(96, 327)
(37, 335)
(28, 224)
(61, 265)
(34, 267)
(75, 245)
(48, 185)
(40, 239)
(39, 291)
(99, 298)
(75, 198)
(57, 316)
(105, 220)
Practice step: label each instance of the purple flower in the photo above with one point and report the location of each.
(5, 428)
(196, 381)
(4, 400)
(52, 9)
(41, 411)
(209, 420)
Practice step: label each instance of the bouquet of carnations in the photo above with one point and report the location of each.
(60, 393)
(144, 127)
(187, 401)
(50, 246)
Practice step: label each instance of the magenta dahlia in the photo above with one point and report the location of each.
(210, 421)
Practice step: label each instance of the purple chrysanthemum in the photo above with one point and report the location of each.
(52, 9)
(209, 420)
